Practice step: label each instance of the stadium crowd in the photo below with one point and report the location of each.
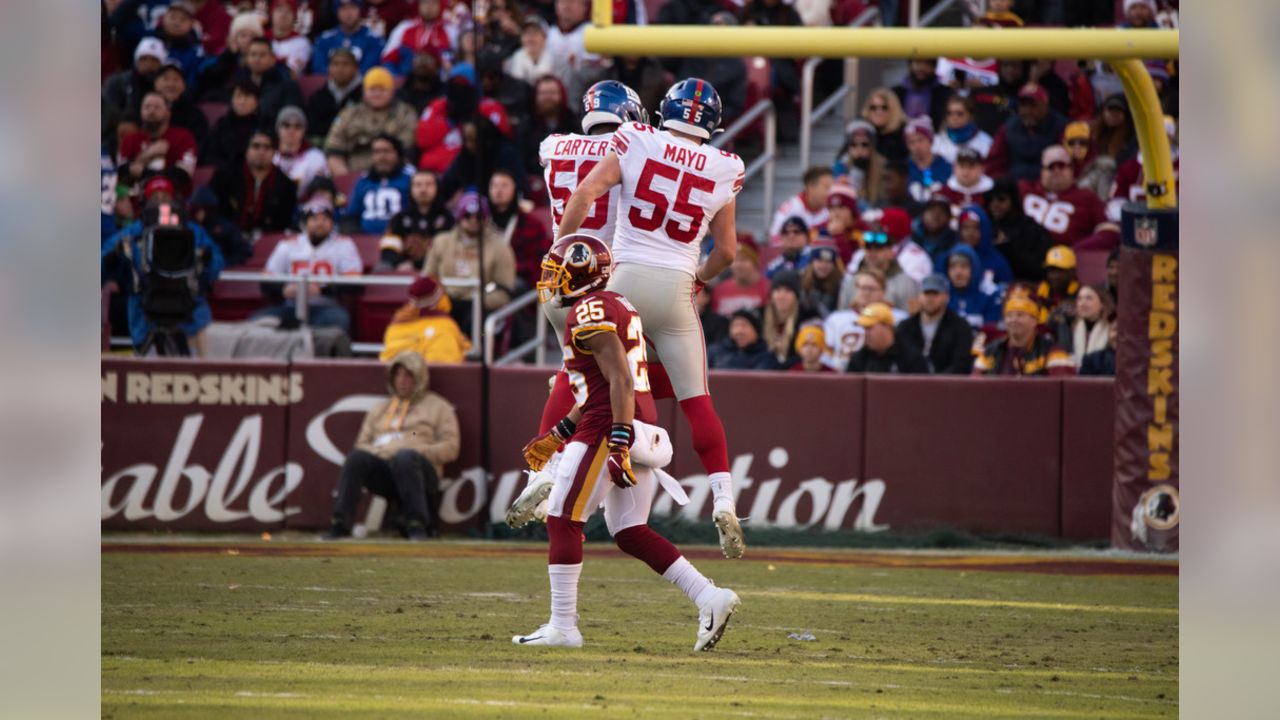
(968, 224)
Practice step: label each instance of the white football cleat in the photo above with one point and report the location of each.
(550, 636)
(732, 542)
(714, 616)
(525, 507)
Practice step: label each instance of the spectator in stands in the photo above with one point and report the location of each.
(381, 191)
(1113, 132)
(933, 232)
(423, 325)
(794, 239)
(895, 192)
(926, 172)
(429, 32)
(1067, 212)
(533, 60)
(968, 185)
(811, 344)
(502, 27)
(383, 16)
(400, 453)
(745, 288)
(843, 333)
(215, 24)
(975, 230)
(182, 45)
(937, 332)
(349, 145)
(494, 83)
(743, 349)
(1023, 351)
(994, 105)
(203, 209)
(809, 205)
(884, 112)
(821, 281)
(318, 251)
(843, 223)
(1130, 180)
(1022, 140)
(485, 150)
(879, 254)
(123, 259)
(645, 76)
(881, 352)
(158, 147)
(256, 194)
(565, 40)
(183, 112)
(715, 327)
(456, 254)
(123, 91)
(977, 306)
(1139, 14)
(528, 239)
(1102, 363)
(230, 135)
(404, 248)
(342, 89)
(1095, 174)
(784, 73)
(896, 223)
(439, 132)
(1042, 73)
(1057, 293)
(960, 131)
(549, 115)
(920, 93)
(423, 84)
(1000, 14)
(276, 88)
(296, 157)
(727, 75)
(858, 163)
(350, 34)
(1021, 240)
(783, 315)
(1092, 327)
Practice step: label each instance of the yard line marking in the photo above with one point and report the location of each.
(962, 602)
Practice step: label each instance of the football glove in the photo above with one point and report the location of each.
(539, 450)
(619, 462)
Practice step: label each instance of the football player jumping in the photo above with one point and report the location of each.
(675, 188)
(611, 419)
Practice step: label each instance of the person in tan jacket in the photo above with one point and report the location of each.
(456, 254)
(400, 453)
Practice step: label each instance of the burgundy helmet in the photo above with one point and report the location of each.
(576, 265)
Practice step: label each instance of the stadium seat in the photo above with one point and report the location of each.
(309, 84)
(213, 111)
(346, 183)
(234, 301)
(367, 246)
(376, 308)
(261, 251)
(538, 190)
(202, 176)
(768, 253)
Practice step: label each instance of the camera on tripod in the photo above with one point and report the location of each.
(166, 277)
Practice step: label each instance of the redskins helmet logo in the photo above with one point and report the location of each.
(579, 255)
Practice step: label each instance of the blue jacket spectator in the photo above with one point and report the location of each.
(366, 46)
(964, 272)
(139, 325)
(932, 230)
(382, 191)
(977, 231)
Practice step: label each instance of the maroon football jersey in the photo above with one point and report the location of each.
(598, 312)
(1069, 216)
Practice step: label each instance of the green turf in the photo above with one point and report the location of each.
(232, 636)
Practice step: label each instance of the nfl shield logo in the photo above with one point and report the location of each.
(1144, 232)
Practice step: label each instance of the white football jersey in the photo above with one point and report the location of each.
(337, 255)
(566, 160)
(671, 189)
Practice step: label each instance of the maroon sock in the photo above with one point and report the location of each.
(708, 433)
(642, 543)
(565, 546)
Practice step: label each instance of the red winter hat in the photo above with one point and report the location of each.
(425, 291)
(896, 223)
(156, 184)
(843, 195)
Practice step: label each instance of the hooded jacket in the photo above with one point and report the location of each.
(971, 303)
(1021, 240)
(425, 423)
(430, 332)
(995, 268)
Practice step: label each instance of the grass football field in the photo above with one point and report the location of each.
(250, 629)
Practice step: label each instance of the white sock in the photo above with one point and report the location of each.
(721, 488)
(564, 595)
(692, 583)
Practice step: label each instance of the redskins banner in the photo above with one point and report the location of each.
(189, 445)
(1146, 501)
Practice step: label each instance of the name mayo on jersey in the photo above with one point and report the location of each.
(604, 312)
(566, 161)
(671, 190)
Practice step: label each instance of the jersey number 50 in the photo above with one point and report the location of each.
(662, 205)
